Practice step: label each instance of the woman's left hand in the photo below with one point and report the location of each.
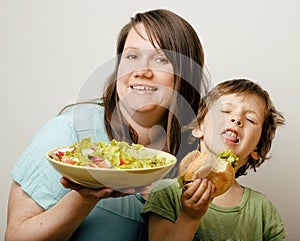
(98, 193)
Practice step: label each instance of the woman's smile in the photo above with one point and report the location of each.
(141, 89)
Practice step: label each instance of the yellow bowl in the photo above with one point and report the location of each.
(112, 177)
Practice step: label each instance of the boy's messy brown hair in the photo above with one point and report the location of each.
(272, 119)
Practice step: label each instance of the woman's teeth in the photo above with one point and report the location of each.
(144, 88)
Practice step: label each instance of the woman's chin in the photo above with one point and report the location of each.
(143, 107)
(134, 108)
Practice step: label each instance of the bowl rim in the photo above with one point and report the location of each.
(114, 169)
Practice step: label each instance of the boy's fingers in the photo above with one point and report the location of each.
(206, 195)
(202, 189)
(189, 192)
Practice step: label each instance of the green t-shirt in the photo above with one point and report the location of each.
(255, 218)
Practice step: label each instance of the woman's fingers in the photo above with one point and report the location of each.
(88, 192)
(99, 193)
(67, 183)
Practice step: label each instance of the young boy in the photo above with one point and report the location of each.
(237, 115)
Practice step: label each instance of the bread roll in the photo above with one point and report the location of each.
(218, 169)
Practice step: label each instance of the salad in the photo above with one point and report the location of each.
(116, 154)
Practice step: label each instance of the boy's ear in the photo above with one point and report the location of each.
(197, 132)
(255, 155)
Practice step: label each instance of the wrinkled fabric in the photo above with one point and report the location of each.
(111, 219)
(255, 218)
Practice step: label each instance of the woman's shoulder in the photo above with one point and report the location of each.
(82, 112)
(87, 119)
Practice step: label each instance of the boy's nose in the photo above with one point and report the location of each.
(236, 120)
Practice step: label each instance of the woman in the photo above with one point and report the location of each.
(158, 72)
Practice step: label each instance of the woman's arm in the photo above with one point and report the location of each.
(28, 221)
(195, 201)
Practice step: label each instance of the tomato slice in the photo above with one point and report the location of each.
(123, 162)
(69, 161)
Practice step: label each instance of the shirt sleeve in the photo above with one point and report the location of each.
(33, 171)
(164, 200)
(274, 228)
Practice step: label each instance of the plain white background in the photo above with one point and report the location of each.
(49, 48)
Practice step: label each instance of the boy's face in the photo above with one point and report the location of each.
(233, 122)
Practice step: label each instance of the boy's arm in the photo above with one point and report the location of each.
(195, 201)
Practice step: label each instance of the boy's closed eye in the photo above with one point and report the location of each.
(251, 121)
(225, 111)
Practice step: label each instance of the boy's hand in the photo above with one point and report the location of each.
(196, 199)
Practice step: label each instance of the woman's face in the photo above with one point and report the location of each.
(145, 79)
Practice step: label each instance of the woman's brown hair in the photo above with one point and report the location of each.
(179, 41)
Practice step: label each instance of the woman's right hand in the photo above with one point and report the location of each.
(196, 199)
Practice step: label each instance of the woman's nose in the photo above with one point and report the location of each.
(143, 72)
(236, 120)
(143, 68)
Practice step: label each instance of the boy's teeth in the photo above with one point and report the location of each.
(231, 134)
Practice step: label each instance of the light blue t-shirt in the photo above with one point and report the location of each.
(111, 219)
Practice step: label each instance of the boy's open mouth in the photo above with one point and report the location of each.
(231, 136)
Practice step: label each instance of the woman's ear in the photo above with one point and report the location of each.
(255, 155)
(197, 132)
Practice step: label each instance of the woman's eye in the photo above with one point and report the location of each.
(131, 56)
(162, 60)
